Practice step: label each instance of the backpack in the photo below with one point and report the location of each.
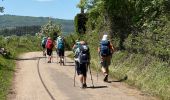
(60, 44)
(43, 42)
(83, 55)
(104, 48)
(49, 44)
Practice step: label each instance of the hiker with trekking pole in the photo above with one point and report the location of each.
(82, 62)
(105, 51)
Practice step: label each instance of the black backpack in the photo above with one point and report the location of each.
(84, 55)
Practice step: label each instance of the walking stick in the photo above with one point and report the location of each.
(91, 75)
(98, 68)
(75, 74)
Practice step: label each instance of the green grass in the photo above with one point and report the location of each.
(15, 45)
(6, 72)
(149, 74)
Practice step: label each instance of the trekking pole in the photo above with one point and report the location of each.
(75, 75)
(98, 69)
(91, 75)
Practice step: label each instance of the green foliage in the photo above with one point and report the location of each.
(1, 9)
(51, 29)
(80, 23)
(82, 5)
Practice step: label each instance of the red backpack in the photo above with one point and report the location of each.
(49, 44)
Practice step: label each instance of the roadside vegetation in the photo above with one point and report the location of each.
(14, 45)
(139, 30)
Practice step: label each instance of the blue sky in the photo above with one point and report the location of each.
(63, 9)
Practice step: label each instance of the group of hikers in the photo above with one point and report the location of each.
(48, 44)
(82, 56)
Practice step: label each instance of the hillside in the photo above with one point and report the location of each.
(14, 21)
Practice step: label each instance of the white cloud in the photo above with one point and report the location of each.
(44, 0)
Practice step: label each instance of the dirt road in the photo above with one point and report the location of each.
(35, 79)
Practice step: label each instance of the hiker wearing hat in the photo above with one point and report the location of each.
(105, 51)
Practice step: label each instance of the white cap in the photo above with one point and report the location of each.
(104, 37)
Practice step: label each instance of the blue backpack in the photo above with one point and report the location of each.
(43, 42)
(60, 44)
(104, 48)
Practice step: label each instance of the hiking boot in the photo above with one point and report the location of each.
(49, 62)
(105, 78)
(84, 85)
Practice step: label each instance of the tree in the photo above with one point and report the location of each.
(1, 9)
(82, 5)
(51, 29)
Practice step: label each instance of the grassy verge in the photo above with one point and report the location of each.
(148, 73)
(15, 45)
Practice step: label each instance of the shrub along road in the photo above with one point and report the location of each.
(37, 80)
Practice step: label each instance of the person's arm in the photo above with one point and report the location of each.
(46, 44)
(112, 48)
(73, 48)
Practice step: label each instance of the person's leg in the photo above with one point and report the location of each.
(105, 69)
(59, 54)
(79, 73)
(50, 55)
(81, 78)
(84, 70)
(63, 56)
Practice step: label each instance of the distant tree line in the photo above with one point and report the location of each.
(20, 30)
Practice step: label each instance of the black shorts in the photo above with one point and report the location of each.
(81, 68)
(60, 52)
(49, 52)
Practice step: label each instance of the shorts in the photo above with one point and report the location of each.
(49, 52)
(60, 52)
(105, 61)
(81, 68)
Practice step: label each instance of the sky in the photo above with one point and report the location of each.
(62, 9)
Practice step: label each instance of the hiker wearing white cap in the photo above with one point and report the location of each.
(105, 51)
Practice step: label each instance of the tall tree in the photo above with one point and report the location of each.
(1, 8)
(82, 5)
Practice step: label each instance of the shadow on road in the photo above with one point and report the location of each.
(69, 65)
(97, 87)
(121, 80)
(70, 62)
(33, 58)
